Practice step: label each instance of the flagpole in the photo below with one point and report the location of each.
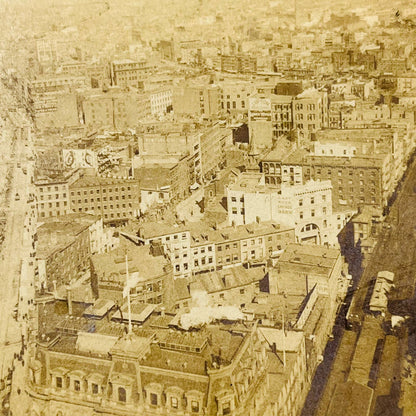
(284, 339)
(128, 294)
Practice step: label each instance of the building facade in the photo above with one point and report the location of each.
(114, 199)
(306, 207)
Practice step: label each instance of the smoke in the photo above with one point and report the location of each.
(203, 313)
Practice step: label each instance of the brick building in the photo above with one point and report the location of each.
(114, 199)
(52, 194)
(62, 253)
(127, 72)
(364, 165)
(197, 100)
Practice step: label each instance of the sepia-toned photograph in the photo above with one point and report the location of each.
(207, 208)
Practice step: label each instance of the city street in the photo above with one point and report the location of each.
(16, 265)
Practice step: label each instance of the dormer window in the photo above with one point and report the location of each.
(59, 382)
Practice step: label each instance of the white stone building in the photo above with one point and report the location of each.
(306, 207)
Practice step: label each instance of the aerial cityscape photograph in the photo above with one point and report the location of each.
(207, 208)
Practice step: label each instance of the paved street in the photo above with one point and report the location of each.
(16, 265)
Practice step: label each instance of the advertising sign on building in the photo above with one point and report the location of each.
(260, 109)
(79, 158)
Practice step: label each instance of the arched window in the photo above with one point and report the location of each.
(122, 394)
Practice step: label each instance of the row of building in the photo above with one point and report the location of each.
(257, 357)
(152, 178)
(364, 165)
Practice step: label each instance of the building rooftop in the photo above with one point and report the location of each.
(290, 341)
(285, 152)
(308, 258)
(111, 267)
(351, 399)
(366, 214)
(373, 160)
(202, 234)
(86, 181)
(226, 279)
(252, 181)
(157, 229)
(153, 178)
(57, 233)
(124, 61)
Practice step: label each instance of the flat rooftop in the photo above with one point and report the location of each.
(111, 267)
(58, 232)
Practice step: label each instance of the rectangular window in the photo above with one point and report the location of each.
(174, 402)
(94, 388)
(153, 399)
(77, 385)
(194, 406)
(59, 382)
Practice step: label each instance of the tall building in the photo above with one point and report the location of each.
(220, 370)
(257, 358)
(52, 194)
(160, 101)
(209, 149)
(193, 249)
(310, 112)
(127, 72)
(114, 199)
(307, 207)
(235, 95)
(271, 116)
(364, 165)
(55, 109)
(197, 100)
(238, 63)
(63, 249)
(260, 121)
(114, 109)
